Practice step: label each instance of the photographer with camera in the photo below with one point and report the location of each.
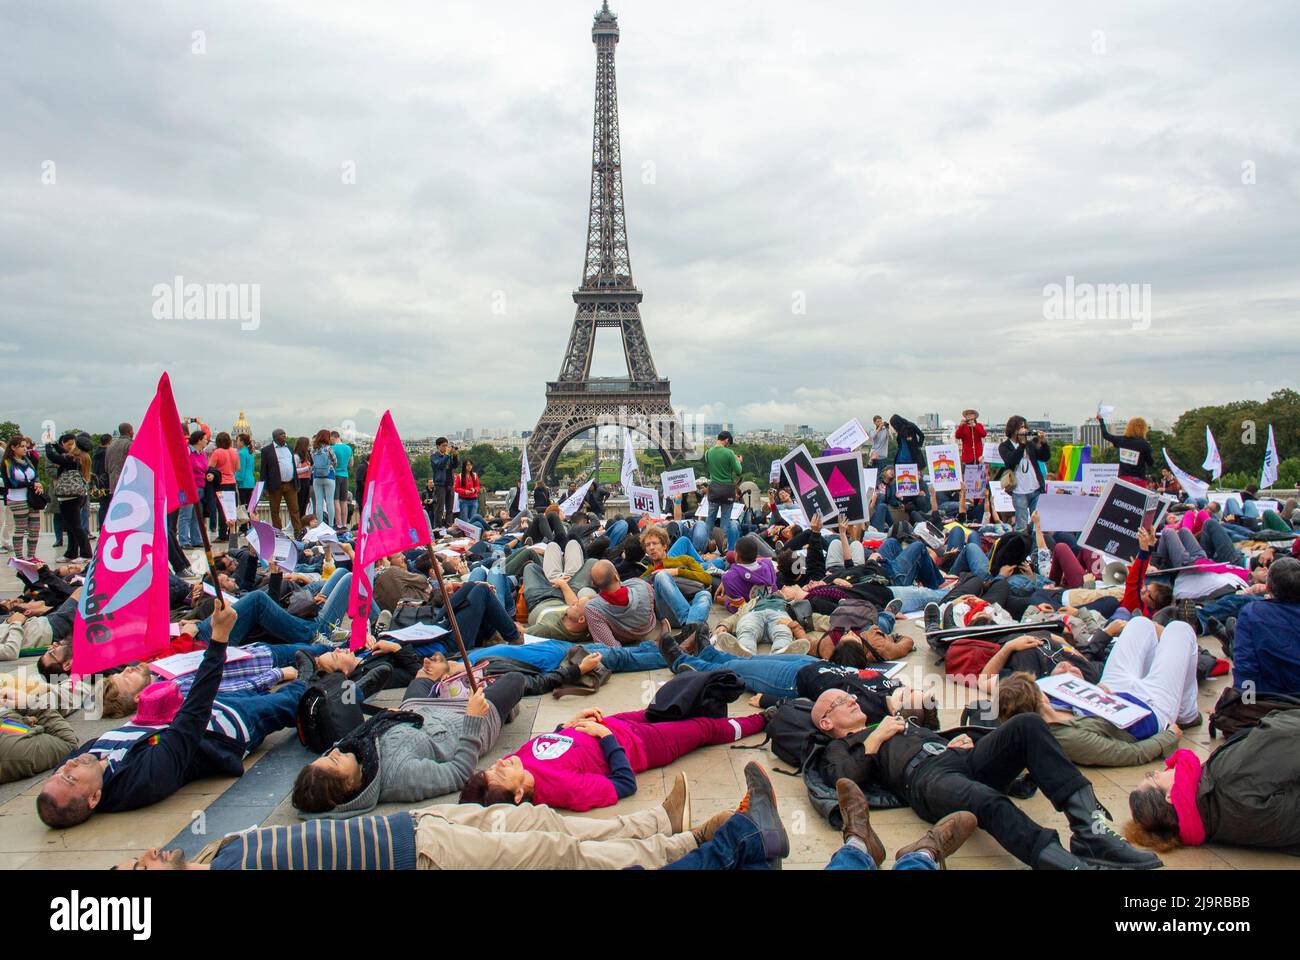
(1022, 455)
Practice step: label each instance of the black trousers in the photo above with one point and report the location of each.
(504, 692)
(78, 536)
(442, 499)
(977, 780)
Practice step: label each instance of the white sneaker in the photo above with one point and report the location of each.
(728, 643)
(797, 645)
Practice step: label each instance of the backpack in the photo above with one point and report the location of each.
(1232, 713)
(321, 468)
(965, 658)
(791, 733)
(854, 614)
(332, 706)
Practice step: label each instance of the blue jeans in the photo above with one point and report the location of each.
(187, 530)
(1026, 503)
(737, 845)
(257, 609)
(700, 535)
(910, 564)
(265, 713)
(849, 857)
(971, 559)
(547, 655)
(670, 602)
(1224, 607)
(955, 537)
(478, 615)
(616, 532)
(505, 588)
(915, 598)
(283, 654)
(322, 499)
(773, 675)
(468, 508)
(1218, 545)
(683, 546)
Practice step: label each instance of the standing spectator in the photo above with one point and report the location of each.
(323, 463)
(971, 433)
(225, 460)
(280, 479)
(190, 533)
(910, 440)
(879, 442)
(445, 463)
(116, 454)
(244, 479)
(71, 489)
(1134, 452)
(1021, 455)
(541, 496)
(99, 478)
(18, 480)
(6, 523)
(429, 500)
(468, 489)
(724, 469)
(342, 457)
(302, 472)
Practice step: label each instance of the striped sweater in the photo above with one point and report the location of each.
(361, 843)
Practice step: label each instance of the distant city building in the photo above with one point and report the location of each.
(241, 426)
(1090, 434)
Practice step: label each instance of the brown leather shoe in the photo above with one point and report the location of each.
(944, 838)
(705, 831)
(857, 818)
(678, 805)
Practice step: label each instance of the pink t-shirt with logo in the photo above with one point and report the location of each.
(569, 770)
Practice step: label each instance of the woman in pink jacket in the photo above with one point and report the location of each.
(187, 528)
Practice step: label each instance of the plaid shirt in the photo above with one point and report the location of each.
(251, 674)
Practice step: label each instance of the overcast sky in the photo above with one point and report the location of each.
(912, 175)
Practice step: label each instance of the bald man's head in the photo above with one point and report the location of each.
(604, 576)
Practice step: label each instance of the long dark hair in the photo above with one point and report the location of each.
(1155, 821)
(316, 790)
(301, 450)
(466, 468)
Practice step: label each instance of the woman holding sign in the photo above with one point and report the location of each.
(1134, 452)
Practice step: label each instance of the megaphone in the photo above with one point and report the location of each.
(1115, 574)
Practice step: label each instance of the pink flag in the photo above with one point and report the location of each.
(123, 612)
(391, 521)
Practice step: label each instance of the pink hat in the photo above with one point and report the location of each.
(158, 704)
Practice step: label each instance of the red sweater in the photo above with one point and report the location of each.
(467, 490)
(1137, 574)
(972, 441)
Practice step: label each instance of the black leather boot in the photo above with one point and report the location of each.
(1092, 838)
(1056, 857)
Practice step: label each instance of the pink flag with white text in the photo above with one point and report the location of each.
(392, 520)
(123, 613)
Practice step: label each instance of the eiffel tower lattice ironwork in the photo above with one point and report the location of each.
(576, 401)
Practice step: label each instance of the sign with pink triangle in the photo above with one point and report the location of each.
(808, 484)
(842, 475)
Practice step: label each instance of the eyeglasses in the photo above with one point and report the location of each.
(840, 701)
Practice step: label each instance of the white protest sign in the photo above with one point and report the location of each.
(179, 664)
(774, 474)
(643, 500)
(1105, 410)
(1064, 511)
(677, 482)
(870, 477)
(255, 496)
(944, 462)
(322, 531)
(991, 454)
(415, 633)
(1002, 501)
(573, 502)
(1092, 699)
(1262, 505)
(1096, 476)
(702, 511)
(471, 530)
(26, 568)
(907, 480)
(792, 514)
(850, 436)
(229, 504)
(1064, 486)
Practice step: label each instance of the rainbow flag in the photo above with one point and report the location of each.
(1073, 457)
(15, 727)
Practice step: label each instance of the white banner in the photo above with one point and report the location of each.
(850, 436)
(572, 504)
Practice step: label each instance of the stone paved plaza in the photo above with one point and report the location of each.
(204, 810)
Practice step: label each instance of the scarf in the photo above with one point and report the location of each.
(1187, 777)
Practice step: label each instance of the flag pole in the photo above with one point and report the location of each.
(436, 564)
(207, 552)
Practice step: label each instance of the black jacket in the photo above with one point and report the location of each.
(846, 757)
(1133, 447)
(1012, 452)
(185, 750)
(271, 468)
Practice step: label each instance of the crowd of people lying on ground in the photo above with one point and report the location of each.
(807, 626)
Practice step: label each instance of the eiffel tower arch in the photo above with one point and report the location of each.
(576, 401)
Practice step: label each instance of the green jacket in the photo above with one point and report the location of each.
(690, 570)
(1094, 742)
(1249, 793)
(23, 755)
(724, 466)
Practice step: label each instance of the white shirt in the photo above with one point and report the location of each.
(1026, 474)
(284, 457)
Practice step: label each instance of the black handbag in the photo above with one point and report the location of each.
(36, 501)
(722, 492)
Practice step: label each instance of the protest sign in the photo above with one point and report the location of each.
(907, 480)
(1120, 511)
(848, 437)
(991, 454)
(229, 504)
(179, 664)
(774, 474)
(643, 500)
(842, 474)
(1065, 486)
(677, 482)
(1096, 476)
(792, 514)
(870, 477)
(944, 460)
(1092, 699)
(1064, 511)
(1002, 501)
(471, 530)
(702, 511)
(975, 476)
(806, 483)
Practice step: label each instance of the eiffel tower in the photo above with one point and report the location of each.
(577, 401)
